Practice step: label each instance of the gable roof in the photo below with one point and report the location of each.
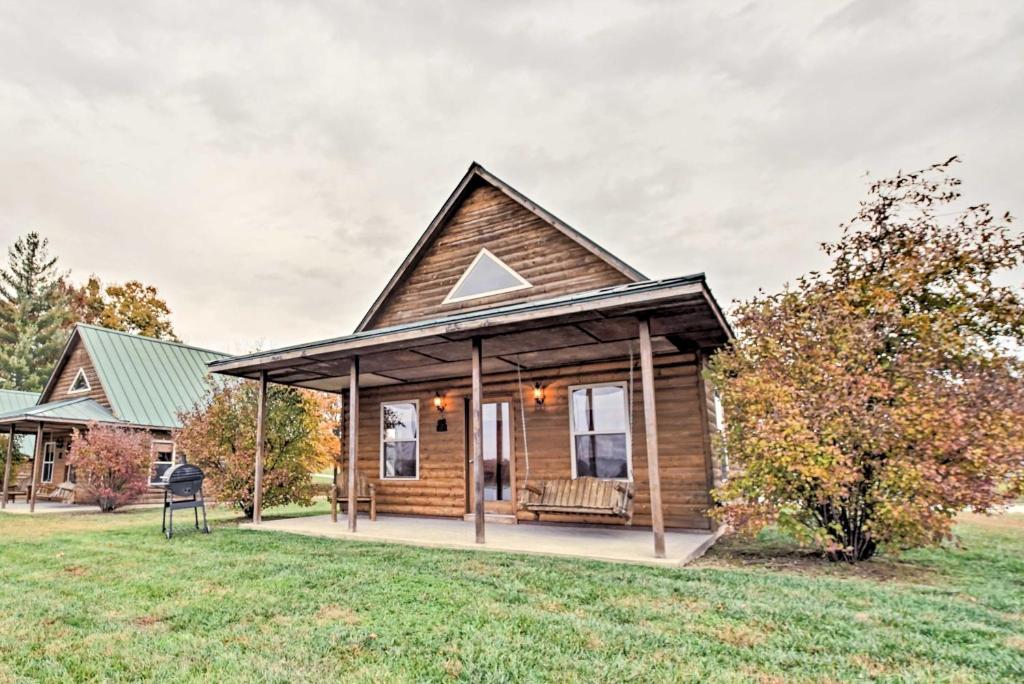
(12, 400)
(474, 177)
(147, 381)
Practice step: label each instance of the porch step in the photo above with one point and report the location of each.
(499, 518)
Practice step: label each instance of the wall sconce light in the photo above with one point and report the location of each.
(538, 395)
(442, 422)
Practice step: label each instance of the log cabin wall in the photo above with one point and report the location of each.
(441, 487)
(553, 263)
(78, 358)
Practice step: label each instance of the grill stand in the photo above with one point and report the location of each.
(196, 502)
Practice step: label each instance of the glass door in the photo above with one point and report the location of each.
(499, 477)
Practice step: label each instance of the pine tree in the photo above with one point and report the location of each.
(34, 315)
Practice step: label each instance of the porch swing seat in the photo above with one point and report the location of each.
(583, 496)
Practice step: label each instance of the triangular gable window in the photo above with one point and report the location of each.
(81, 383)
(487, 275)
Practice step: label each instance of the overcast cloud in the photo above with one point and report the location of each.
(267, 165)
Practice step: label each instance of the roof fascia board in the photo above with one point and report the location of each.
(58, 367)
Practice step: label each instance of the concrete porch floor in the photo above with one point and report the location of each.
(615, 544)
(44, 507)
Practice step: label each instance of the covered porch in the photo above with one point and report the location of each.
(534, 354)
(48, 486)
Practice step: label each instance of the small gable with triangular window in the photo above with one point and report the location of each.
(76, 377)
(80, 384)
(488, 247)
(486, 276)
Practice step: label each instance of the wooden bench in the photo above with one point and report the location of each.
(582, 496)
(366, 492)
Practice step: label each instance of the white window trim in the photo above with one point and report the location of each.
(627, 431)
(79, 374)
(49, 449)
(416, 404)
(523, 282)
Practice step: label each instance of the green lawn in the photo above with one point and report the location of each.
(99, 597)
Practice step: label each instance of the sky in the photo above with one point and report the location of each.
(267, 165)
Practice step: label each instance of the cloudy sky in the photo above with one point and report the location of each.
(267, 165)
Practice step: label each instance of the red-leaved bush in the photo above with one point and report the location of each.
(111, 464)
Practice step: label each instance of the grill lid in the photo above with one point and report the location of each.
(183, 472)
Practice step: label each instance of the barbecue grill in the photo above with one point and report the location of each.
(183, 489)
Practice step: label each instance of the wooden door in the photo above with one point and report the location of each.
(499, 460)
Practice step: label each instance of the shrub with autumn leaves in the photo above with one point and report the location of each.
(869, 404)
(219, 436)
(111, 465)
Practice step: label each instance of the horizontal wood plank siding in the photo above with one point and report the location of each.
(441, 488)
(550, 261)
(78, 358)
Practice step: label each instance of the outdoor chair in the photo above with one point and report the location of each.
(366, 492)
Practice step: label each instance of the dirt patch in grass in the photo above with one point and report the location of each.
(75, 570)
(739, 635)
(336, 613)
(147, 621)
(1016, 642)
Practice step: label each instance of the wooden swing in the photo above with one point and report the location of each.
(582, 496)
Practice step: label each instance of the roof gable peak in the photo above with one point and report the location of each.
(476, 175)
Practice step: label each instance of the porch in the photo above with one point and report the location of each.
(590, 542)
(563, 388)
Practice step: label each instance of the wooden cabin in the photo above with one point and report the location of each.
(102, 376)
(508, 354)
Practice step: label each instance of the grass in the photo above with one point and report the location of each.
(105, 597)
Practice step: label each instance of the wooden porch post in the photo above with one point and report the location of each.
(37, 464)
(353, 439)
(261, 445)
(651, 425)
(478, 441)
(7, 467)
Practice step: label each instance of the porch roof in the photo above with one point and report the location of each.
(67, 412)
(587, 326)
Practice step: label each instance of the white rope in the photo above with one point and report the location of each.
(522, 414)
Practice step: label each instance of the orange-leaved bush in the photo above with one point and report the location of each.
(219, 436)
(111, 463)
(871, 403)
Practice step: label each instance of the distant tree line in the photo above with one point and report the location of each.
(39, 304)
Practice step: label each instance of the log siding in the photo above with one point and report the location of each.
(441, 488)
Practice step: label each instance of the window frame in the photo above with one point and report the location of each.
(49, 448)
(523, 282)
(80, 374)
(153, 451)
(384, 441)
(623, 385)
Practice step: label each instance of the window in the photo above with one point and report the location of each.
(600, 432)
(163, 458)
(80, 383)
(487, 275)
(400, 441)
(49, 456)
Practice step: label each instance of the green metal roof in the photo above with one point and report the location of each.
(147, 381)
(12, 400)
(81, 410)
